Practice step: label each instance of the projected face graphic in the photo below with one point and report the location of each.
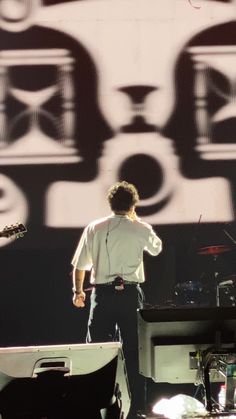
(141, 151)
(82, 101)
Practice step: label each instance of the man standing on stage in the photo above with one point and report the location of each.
(112, 248)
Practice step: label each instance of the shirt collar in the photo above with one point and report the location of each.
(113, 215)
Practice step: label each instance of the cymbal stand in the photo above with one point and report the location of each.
(215, 251)
(217, 288)
(229, 236)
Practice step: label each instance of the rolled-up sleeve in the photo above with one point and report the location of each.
(82, 258)
(154, 243)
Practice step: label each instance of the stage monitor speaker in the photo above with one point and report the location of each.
(64, 382)
(168, 337)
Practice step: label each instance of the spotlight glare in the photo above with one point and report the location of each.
(177, 406)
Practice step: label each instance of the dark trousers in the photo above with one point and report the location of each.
(113, 316)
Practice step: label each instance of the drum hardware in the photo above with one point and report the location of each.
(227, 285)
(229, 236)
(190, 293)
(228, 280)
(224, 284)
(215, 251)
(195, 293)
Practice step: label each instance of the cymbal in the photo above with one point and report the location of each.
(214, 250)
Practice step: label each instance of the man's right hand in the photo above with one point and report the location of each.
(78, 299)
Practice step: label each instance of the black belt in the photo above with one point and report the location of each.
(114, 284)
(118, 283)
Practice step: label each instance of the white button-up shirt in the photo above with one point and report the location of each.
(113, 246)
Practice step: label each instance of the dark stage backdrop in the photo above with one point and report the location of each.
(96, 91)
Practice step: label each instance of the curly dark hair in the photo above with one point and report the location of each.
(122, 196)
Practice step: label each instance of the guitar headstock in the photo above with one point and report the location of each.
(17, 230)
